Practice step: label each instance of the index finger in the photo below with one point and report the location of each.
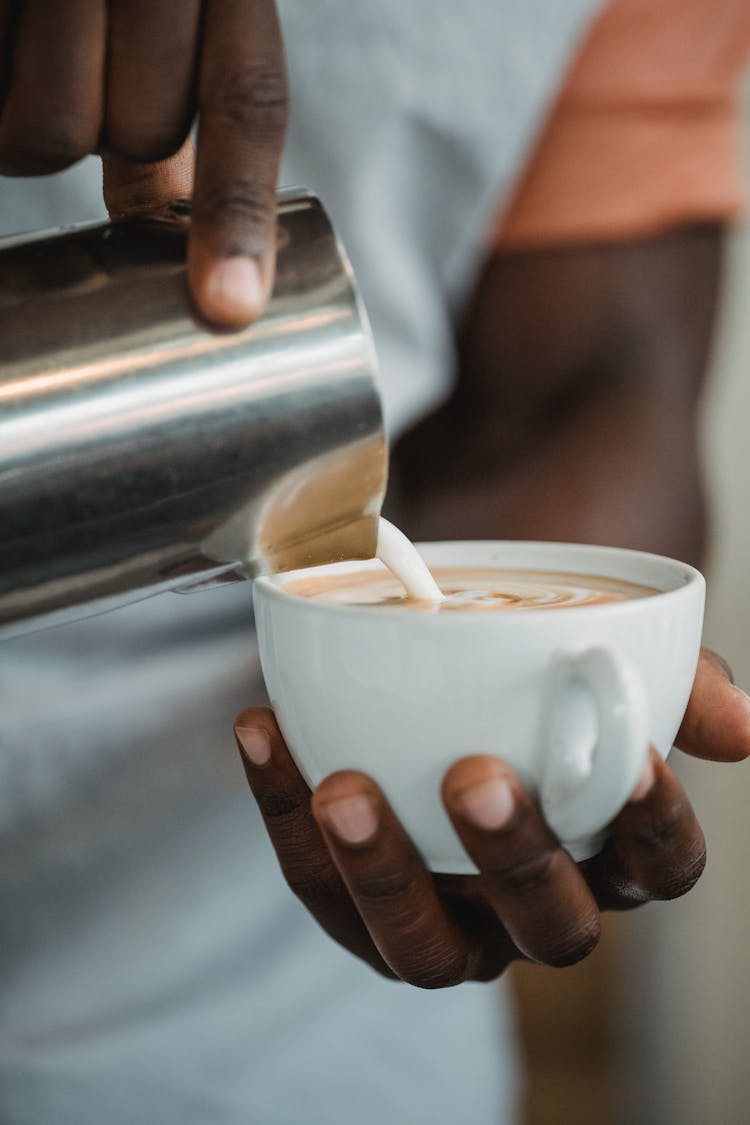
(283, 798)
(716, 725)
(412, 926)
(243, 105)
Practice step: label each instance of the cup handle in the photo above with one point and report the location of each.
(594, 740)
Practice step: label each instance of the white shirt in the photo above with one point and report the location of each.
(154, 965)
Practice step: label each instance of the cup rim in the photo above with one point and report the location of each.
(682, 578)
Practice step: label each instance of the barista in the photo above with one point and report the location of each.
(127, 81)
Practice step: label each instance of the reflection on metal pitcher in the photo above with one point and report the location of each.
(142, 450)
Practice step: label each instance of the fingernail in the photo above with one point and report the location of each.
(353, 819)
(234, 293)
(255, 744)
(645, 781)
(488, 806)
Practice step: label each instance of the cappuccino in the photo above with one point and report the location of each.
(478, 589)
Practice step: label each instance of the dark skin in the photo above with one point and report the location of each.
(128, 79)
(573, 419)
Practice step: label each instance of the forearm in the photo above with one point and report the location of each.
(575, 416)
(606, 475)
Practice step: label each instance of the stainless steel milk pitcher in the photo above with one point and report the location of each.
(141, 450)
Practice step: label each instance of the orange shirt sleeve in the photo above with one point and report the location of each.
(645, 133)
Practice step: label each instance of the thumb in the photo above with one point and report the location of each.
(132, 190)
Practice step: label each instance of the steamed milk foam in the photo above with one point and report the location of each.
(406, 564)
(405, 581)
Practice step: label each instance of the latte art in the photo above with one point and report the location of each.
(477, 589)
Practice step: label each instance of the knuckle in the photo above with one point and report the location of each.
(662, 829)
(50, 146)
(621, 893)
(684, 877)
(247, 205)
(65, 141)
(279, 806)
(696, 729)
(378, 890)
(138, 194)
(569, 946)
(314, 887)
(134, 204)
(253, 98)
(525, 876)
(437, 968)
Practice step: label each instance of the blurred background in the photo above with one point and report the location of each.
(653, 1029)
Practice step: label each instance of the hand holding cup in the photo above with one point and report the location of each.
(347, 853)
(350, 862)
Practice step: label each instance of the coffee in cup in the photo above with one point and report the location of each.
(474, 589)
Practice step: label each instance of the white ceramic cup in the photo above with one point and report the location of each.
(570, 698)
